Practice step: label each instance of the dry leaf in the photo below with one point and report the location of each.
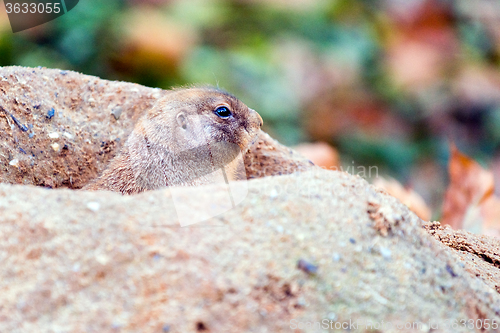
(470, 192)
(407, 196)
(490, 211)
(320, 153)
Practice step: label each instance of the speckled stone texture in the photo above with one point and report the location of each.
(479, 253)
(75, 261)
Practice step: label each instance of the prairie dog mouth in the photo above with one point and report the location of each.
(253, 139)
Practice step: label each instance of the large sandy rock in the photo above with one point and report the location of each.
(311, 246)
(76, 261)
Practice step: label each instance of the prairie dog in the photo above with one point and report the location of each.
(186, 135)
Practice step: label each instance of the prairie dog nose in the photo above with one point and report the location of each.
(259, 118)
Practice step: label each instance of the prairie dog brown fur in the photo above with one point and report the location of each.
(187, 134)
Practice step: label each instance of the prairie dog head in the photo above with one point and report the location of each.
(189, 133)
(188, 118)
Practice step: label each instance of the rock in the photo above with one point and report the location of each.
(50, 113)
(478, 253)
(117, 112)
(55, 147)
(307, 267)
(93, 206)
(130, 265)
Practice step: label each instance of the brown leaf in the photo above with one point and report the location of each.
(320, 153)
(471, 186)
(490, 211)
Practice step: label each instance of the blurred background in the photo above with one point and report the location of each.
(387, 83)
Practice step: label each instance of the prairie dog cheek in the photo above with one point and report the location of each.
(196, 132)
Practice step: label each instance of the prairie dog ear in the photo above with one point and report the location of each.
(182, 120)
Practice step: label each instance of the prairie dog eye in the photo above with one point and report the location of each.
(223, 112)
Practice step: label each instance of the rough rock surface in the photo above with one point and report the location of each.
(301, 248)
(480, 254)
(77, 261)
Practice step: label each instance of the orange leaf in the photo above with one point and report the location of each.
(320, 153)
(407, 196)
(470, 187)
